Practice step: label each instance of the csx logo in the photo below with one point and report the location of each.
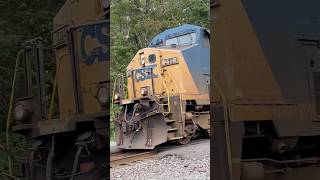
(145, 73)
(90, 36)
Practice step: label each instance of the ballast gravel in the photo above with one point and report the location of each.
(183, 163)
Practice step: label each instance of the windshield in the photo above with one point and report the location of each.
(186, 39)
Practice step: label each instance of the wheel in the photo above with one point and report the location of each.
(190, 130)
(184, 140)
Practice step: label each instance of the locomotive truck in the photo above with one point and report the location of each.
(73, 145)
(265, 68)
(164, 95)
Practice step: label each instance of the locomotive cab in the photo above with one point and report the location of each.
(167, 85)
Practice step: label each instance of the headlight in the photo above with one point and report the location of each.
(22, 111)
(169, 61)
(144, 91)
(117, 97)
(103, 95)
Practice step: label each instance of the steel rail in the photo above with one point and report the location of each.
(127, 157)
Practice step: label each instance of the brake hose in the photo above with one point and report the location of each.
(76, 161)
(49, 161)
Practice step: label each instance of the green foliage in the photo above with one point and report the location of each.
(135, 22)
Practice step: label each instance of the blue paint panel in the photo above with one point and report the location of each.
(197, 59)
(97, 32)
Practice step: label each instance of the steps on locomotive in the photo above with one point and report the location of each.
(174, 138)
(172, 131)
(163, 102)
(171, 127)
(169, 121)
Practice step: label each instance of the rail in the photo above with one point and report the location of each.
(131, 156)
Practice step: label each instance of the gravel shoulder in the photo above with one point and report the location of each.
(183, 163)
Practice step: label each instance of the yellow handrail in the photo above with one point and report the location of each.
(53, 93)
(114, 88)
(10, 161)
(180, 96)
(167, 91)
(114, 91)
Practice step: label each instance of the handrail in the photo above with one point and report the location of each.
(114, 86)
(113, 91)
(54, 89)
(167, 91)
(8, 123)
(180, 99)
(180, 96)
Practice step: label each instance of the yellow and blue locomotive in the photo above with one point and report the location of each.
(165, 94)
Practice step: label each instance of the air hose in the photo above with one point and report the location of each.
(49, 160)
(76, 161)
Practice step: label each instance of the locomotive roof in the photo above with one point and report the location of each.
(175, 32)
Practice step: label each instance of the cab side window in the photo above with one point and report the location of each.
(186, 39)
(206, 39)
